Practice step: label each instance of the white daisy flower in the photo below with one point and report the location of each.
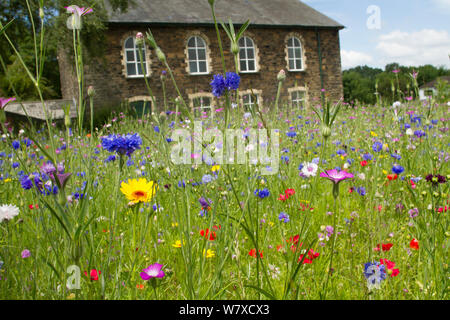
(8, 211)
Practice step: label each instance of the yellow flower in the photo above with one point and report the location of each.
(7, 180)
(210, 253)
(215, 168)
(139, 190)
(174, 224)
(385, 172)
(271, 223)
(177, 244)
(373, 134)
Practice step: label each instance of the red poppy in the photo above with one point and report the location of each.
(283, 197)
(311, 254)
(414, 244)
(289, 192)
(206, 233)
(94, 274)
(384, 247)
(390, 266)
(253, 253)
(392, 177)
(363, 163)
(33, 206)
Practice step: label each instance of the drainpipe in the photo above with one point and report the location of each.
(319, 53)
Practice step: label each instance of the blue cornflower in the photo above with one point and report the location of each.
(218, 85)
(419, 133)
(361, 191)
(374, 272)
(15, 165)
(2, 154)
(291, 134)
(284, 217)
(262, 193)
(156, 128)
(377, 146)
(397, 169)
(111, 158)
(396, 156)
(122, 144)
(367, 157)
(207, 178)
(16, 144)
(232, 81)
(341, 152)
(26, 182)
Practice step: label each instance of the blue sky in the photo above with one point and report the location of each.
(411, 32)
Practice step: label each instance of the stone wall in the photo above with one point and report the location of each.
(112, 86)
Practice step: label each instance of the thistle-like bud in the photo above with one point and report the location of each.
(41, 13)
(67, 121)
(326, 131)
(211, 2)
(161, 56)
(139, 39)
(234, 48)
(281, 75)
(91, 91)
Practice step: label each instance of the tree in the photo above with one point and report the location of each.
(56, 34)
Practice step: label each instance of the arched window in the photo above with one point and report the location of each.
(295, 54)
(298, 99)
(133, 60)
(247, 59)
(197, 56)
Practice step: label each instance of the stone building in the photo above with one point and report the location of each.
(284, 34)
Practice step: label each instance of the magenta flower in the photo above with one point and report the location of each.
(337, 176)
(5, 101)
(80, 11)
(153, 271)
(26, 254)
(396, 71)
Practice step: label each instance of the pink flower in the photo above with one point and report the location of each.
(26, 254)
(80, 11)
(5, 101)
(336, 176)
(153, 271)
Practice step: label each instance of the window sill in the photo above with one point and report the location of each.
(137, 77)
(248, 72)
(302, 70)
(199, 74)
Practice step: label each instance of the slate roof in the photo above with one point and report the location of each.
(268, 13)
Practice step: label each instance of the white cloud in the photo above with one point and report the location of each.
(427, 46)
(352, 59)
(442, 5)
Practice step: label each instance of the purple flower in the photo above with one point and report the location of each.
(336, 176)
(361, 191)
(232, 81)
(25, 254)
(5, 101)
(153, 271)
(284, 217)
(218, 85)
(122, 144)
(397, 169)
(377, 146)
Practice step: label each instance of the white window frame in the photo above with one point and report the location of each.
(295, 58)
(304, 90)
(136, 61)
(246, 59)
(202, 107)
(197, 60)
(250, 93)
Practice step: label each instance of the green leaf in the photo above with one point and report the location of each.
(242, 30)
(3, 28)
(53, 212)
(264, 292)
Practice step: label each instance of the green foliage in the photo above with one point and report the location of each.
(360, 82)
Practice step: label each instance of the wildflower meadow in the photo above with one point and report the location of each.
(326, 201)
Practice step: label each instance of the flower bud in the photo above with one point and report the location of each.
(161, 56)
(67, 121)
(326, 131)
(139, 39)
(41, 13)
(234, 48)
(281, 75)
(91, 91)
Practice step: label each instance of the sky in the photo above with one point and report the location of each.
(378, 32)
